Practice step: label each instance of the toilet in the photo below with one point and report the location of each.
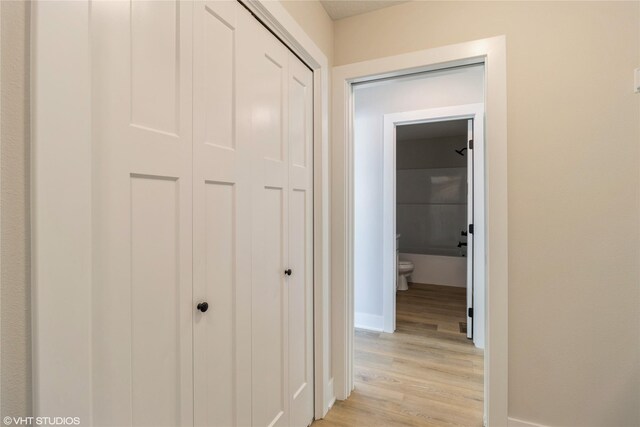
(405, 268)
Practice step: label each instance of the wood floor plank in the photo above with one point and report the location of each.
(425, 374)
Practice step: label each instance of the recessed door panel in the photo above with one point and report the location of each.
(155, 38)
(215, 347)
(155, 345)
(267, 114)
(298, 315)
(270, 313)
(218, 62)
(299, 96)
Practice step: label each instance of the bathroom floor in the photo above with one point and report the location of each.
(425, 374)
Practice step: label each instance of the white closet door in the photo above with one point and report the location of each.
(270, 305)
(300, 283)
(280, 92)
(142, 206)
(221, 221)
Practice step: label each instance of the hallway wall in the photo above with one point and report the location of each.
(315, 21)
(574, 199)
(15, 331)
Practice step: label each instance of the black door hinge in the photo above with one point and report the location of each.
(470, 312)
(471, 228)
(471, 144)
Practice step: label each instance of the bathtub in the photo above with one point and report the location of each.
(440, 266)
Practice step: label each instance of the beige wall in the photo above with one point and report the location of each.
(314, 20)
(15, 332)
(574, 207)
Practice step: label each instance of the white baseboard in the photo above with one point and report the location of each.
(370, 322)
(514, 422)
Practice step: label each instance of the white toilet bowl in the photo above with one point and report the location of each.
(405, 268)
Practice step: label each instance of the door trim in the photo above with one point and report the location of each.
(61, 117)
(61, 209)
(492, 52)
(391, 121)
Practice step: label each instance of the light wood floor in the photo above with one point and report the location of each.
(425, 374)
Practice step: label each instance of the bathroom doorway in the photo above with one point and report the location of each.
(435, 211)
(434, 176)
(434, 221)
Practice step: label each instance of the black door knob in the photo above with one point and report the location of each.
(287, 272)
(203, 306)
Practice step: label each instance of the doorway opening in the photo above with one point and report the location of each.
(416, 143)
(437, 198)
(346, 79)
(434, 224)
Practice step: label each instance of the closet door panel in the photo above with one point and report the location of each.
(221, 221)
(214, 344)
(155, 299)
(298, 293)
(300, 286)
(270, 104)
(216, 30)
(269, 244)
(142, 210)
(155, 72)
(269, 310)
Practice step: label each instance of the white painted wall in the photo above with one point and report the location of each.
(372, 101)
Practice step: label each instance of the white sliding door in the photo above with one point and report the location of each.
(142, 213)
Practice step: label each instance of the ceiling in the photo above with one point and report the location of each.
(431, 130)
(338, 9)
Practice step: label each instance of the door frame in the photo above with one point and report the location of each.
(491, 52)
(430, 115)
(61, 166)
